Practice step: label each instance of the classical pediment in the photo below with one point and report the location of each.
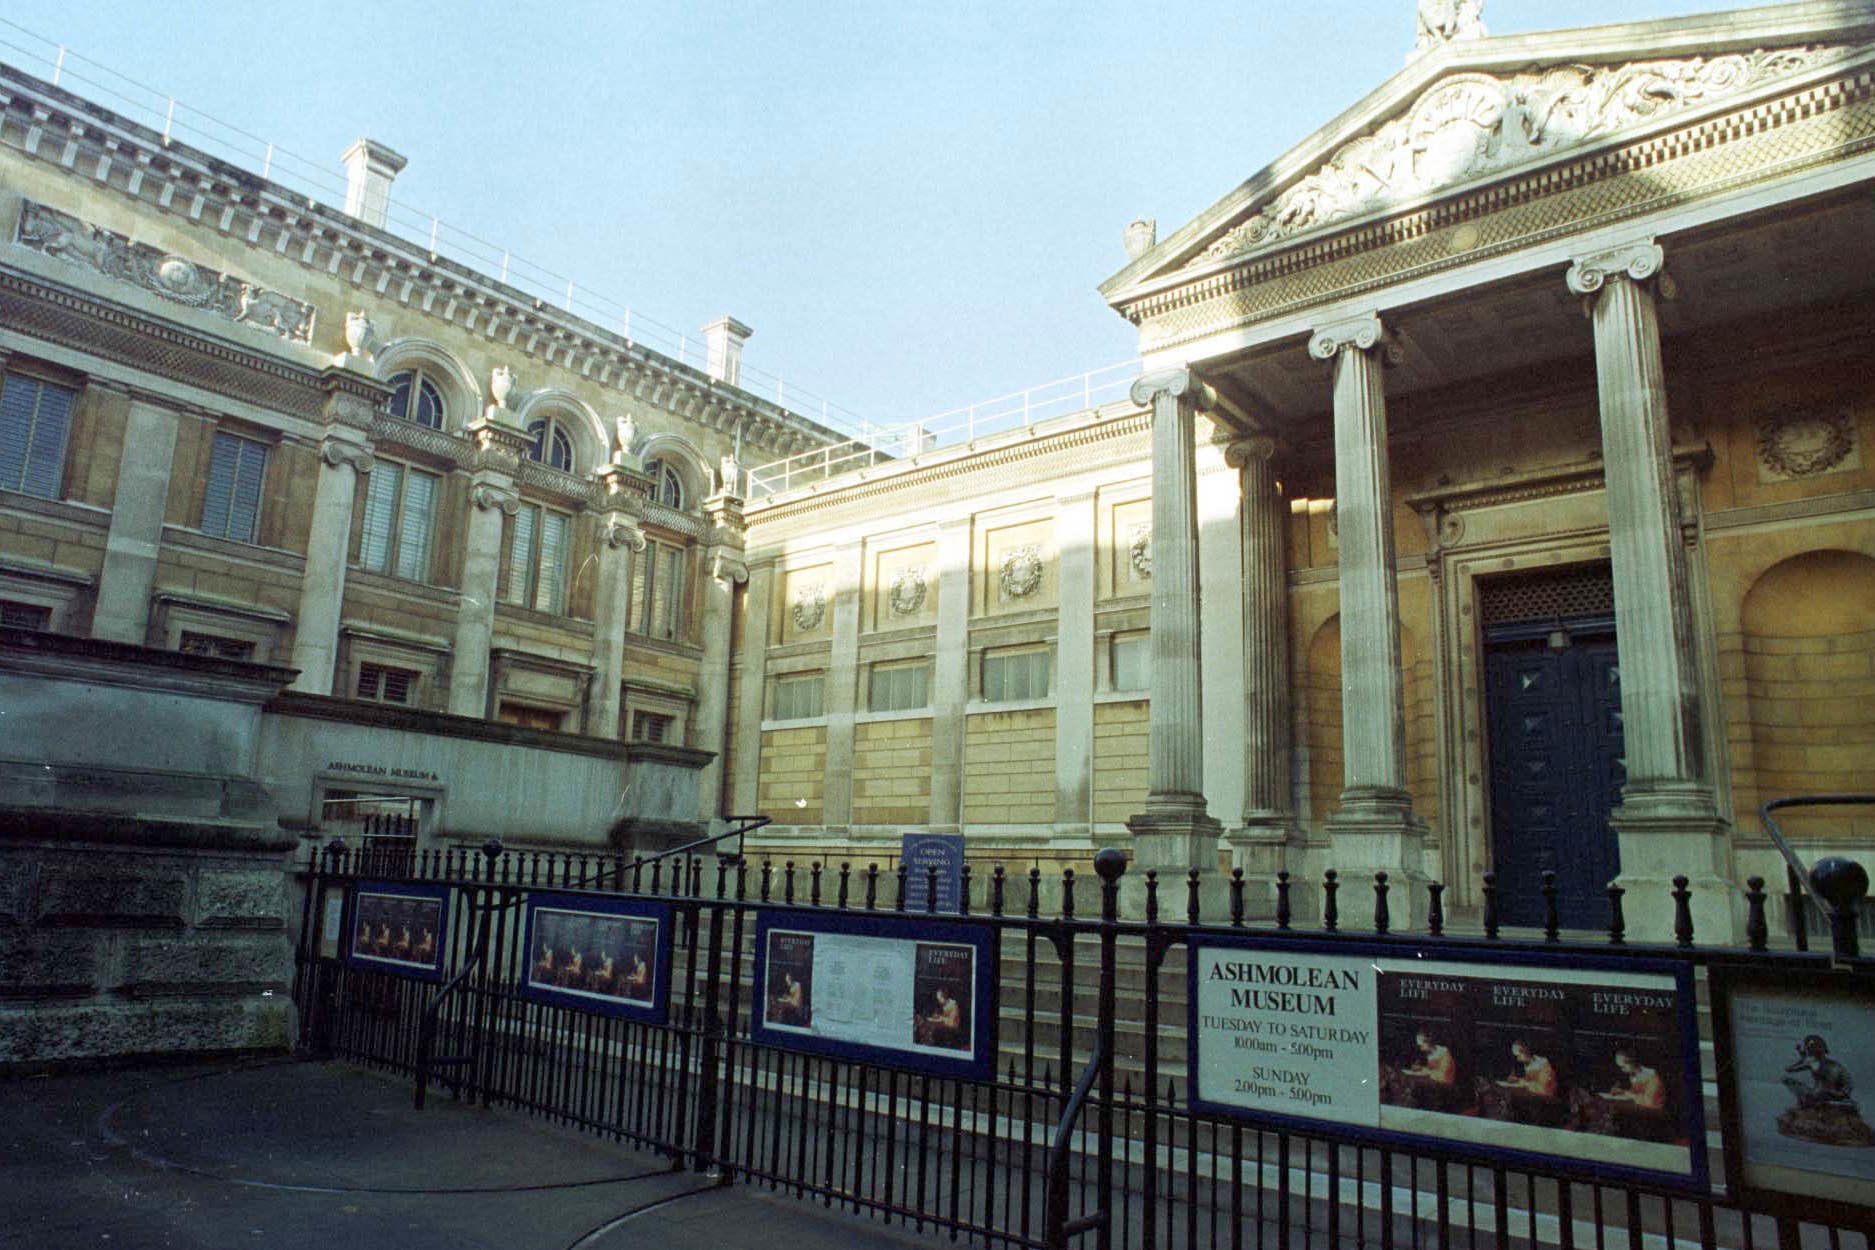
(1478, 114)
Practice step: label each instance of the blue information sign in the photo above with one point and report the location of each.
(920, 853)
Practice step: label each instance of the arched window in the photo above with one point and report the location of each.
(415, 397)
(668, 487)
(552, 445)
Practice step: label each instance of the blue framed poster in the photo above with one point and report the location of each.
(398, 927)
(1577, 1061)
(606, 955)
(895, 990)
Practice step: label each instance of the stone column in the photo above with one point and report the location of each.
(950, 676)
(1174, 833)
(757, 604)
(621, 542)
(722, 562)
(1075, 526)
(492, 497)
(1668, 820)
(842, 689)
(1220, 573)
(1267, 762)
(1374, 829)
(136, 534)
(343, 459)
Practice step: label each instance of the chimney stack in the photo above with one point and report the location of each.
(724, 338)
(370, 168)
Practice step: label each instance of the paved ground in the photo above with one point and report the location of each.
(286, 1155)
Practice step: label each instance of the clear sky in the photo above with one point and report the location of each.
(911, 204)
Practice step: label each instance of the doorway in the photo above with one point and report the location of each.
(1553, 712)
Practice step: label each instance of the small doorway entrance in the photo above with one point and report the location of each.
(1553, 711)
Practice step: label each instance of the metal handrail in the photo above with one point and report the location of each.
(432, 1011)
(750, 825)
(1059, 1229)
(1803, 880)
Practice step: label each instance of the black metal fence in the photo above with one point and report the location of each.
(1086, 1126)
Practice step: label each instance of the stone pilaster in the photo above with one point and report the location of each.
(724, 570)
(1667, 821)
(746, 785)
(621, 542)
(344, 456)
(842, 688)
(1074, 665)
(1268, 787)
(950, 676)
(492, 496)
(1374, 829)
(1220, 571)
(136, 533)
(1174, 833)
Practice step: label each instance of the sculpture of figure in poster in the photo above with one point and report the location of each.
(1826, 1110)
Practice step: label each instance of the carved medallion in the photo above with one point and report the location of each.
(907, 592)
(1799, 441)
(1022, 572)
(810, 607)
(1139, 552)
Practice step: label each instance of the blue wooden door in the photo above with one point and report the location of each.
(1556, 773)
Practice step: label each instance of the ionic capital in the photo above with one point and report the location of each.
(345, 451)
(490, 495)
(1180, 384)
(728, 569)
(622, 531)
(1366, 333)
(1258, 448)
(1637, 262)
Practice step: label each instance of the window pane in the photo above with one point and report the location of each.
(639, 607)
(521, 553)
(244, 517)
(799, 697)
(224, 454)
(231, 502)
(1023, 675)
(552, 583)
(400, 394)
(35, 420)
(430, 405)
(1131, 664)
(374, 548)
(415, 525)
(899, 688)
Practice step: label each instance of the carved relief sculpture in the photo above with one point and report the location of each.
(64, 237)
(1803, 441)
(1441, 21)
(907, 592)
(1139, 552)
(1466, 126)
(810, 607)
(1022, 572)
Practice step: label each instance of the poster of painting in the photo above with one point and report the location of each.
(1796, 1062)
(914, 994)
(1531, 1057)
(398, 928)
(605, 955)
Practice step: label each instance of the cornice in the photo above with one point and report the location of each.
(165, 177)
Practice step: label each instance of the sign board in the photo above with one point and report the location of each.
(1525, 1057)
(920, 853)
(1795, 1048)
(894, 990)
(611, 956)
(398, 928)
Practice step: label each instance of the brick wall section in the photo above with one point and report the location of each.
(892, 772)
(108, 951)
(794, 765)
(1009, 768)
(1121, 745)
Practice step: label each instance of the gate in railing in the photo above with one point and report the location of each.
(1023, 1075)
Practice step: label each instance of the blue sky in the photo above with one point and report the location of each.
(910, 204)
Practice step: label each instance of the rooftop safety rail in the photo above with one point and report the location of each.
(958, 427)
(324, 183)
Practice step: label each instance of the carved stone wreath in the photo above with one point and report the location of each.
(907, 593)
(1022, 572)
(810, 607)
(1803, 441)
(1139, 552)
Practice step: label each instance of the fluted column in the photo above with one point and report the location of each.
(1174, 833)
(1074, 664)
(344, 457)
(1268, 816)
(621, 542)
(1374, 828)
(1667, 820)
(950, 676)
(724, 571)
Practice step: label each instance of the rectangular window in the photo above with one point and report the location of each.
(231, 505)
(652, 727)
(35, 423)
(657, 606)
(529, 717)
(380, 683)
(400, 519)
(17, 615)
(797, 698)
(1132, 662)
(899, 687)
(213, 644)
(1012, 675)
(537, 559)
